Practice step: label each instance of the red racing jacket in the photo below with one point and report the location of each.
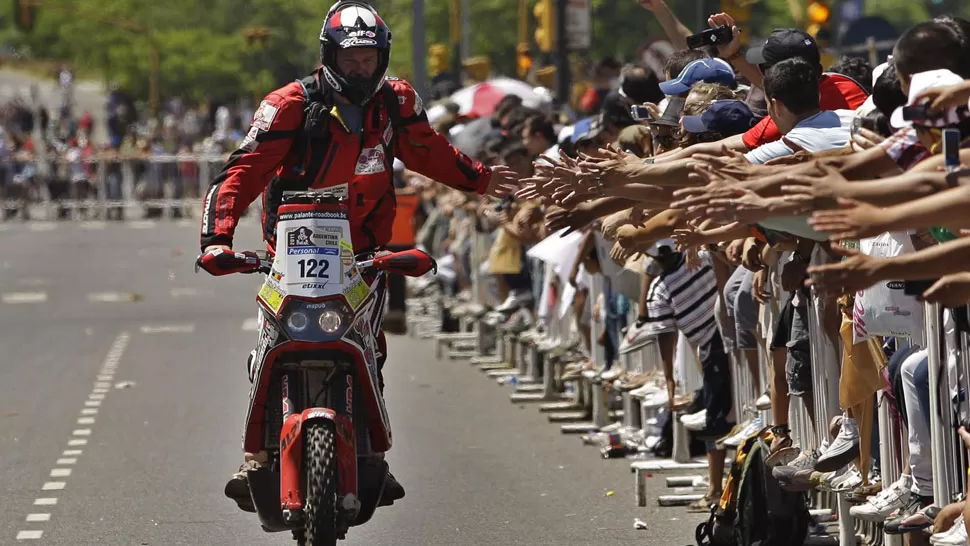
(277, 156)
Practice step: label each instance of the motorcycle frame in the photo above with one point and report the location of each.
(353, 379)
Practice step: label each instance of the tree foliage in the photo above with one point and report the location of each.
(204, 54)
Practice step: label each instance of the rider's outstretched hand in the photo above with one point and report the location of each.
(221, 260)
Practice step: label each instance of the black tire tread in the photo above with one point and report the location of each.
(320, 463)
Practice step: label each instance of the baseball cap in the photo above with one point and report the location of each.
(654, 250)
(671, 115)
(727, 117)
(785, 43)
(708, 70)
(922, 82)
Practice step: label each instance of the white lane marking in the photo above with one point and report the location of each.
(111, 297)
(24, 297)
(251, 325)
(190, 292)
(169, 329)
(99, 391)
(106, 377)
(69, 456)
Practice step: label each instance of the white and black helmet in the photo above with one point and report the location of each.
(354, 24)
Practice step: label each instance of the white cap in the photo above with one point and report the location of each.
(922, 82)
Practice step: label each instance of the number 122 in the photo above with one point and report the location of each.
(309, 268)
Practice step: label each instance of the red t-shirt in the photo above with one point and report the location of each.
(836, 92)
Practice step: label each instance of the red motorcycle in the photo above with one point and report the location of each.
(316, 413)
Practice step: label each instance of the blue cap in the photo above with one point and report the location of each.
(727, 117)
(581, 128)
(708, 70)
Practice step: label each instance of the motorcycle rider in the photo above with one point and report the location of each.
(339, 130)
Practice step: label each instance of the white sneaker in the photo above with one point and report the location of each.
(843, 450)
(637, 337)
(646, 391)
(613, 373)
(954, 536)
(700, 416)
(752, 428)
(656, 400)
(697, 424)
(878, 508)
(515, 300)
(763, 402)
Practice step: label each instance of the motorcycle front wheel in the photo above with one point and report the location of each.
(320, 464)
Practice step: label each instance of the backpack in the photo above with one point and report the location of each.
(754, 510)
(313, 139)
(317, 104)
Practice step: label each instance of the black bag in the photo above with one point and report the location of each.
(761, 513)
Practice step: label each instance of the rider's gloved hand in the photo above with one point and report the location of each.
(222, 260)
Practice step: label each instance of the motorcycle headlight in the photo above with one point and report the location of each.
(330, 321)
(298, 321)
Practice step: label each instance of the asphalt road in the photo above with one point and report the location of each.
(123, 391)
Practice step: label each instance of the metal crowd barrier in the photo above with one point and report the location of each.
(107, 187)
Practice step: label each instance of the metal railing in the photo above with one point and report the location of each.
(106, 186)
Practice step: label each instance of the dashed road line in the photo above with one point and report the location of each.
(24, 297)
(168, 329)
(79, 437)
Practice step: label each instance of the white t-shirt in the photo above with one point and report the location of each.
(826, 130)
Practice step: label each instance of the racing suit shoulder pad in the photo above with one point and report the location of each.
(281, 110)
(407, 97)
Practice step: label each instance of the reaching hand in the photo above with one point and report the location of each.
(950, 291)
(503, 182)
(852, 220)
(856, 272)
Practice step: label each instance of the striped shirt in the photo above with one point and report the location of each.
(685, 299)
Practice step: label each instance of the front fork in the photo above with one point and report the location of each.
(342, 391)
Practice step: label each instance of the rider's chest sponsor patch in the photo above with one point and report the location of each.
(370, 161)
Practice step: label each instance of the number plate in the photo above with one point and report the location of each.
(309, 245)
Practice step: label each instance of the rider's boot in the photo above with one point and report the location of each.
(237, 488)
(393, 490)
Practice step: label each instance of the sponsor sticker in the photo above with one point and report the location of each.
(263, 119)
(370, 161)
(271, 296)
